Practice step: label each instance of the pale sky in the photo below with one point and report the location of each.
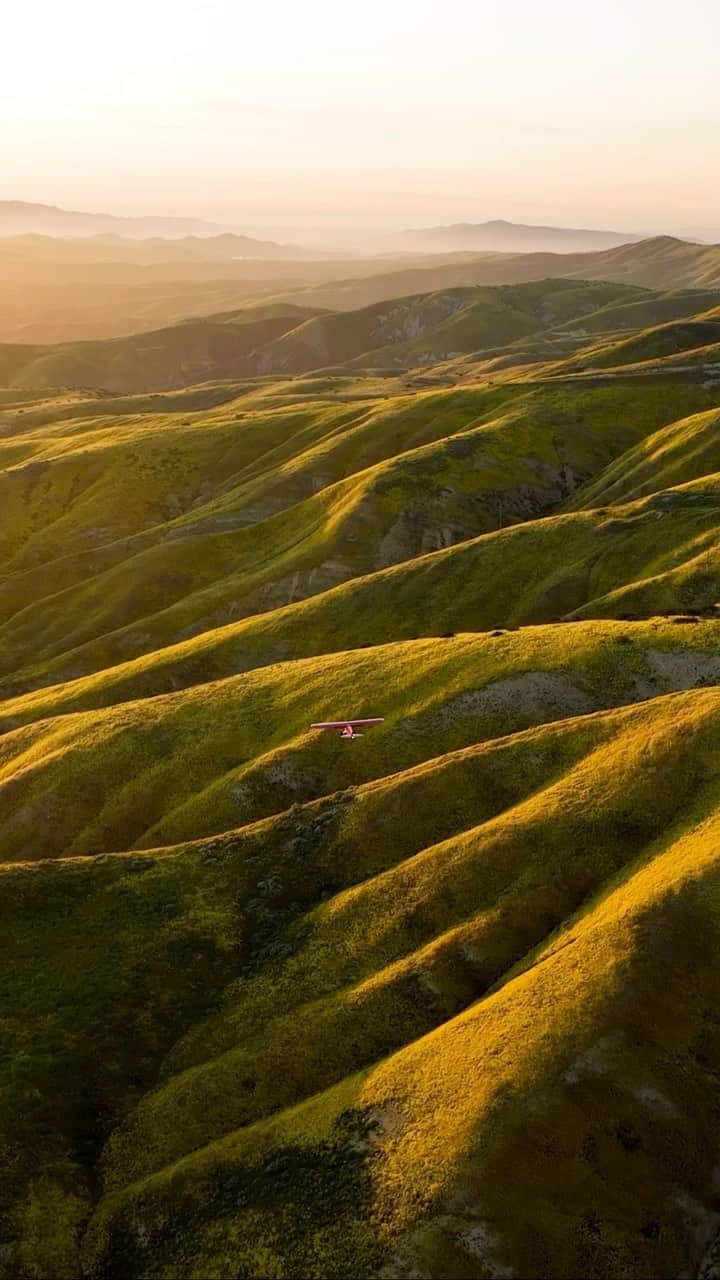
(375, 113)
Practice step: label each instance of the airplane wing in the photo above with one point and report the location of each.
(345, 724)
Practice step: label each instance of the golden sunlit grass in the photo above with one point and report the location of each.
(440, 1001)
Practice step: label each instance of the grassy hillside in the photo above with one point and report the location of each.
(66, 291)
(285, 338)
(435, 327)
(192, 351)
(55, 290)
(424, 329)
(441, 1001)
(677, 337)
(175, 561)
(662, 262)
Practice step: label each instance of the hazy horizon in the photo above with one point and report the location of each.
(316, 118)
(373, 237)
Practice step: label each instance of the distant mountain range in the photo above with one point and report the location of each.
(500, 236)
(18, 218)
(25, 218)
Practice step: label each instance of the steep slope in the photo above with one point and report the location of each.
(437, 1002)
(240, 749)
(651, 308)
(662, 262)
(286, 338)
(185, 353)
(678, 337)
(434, 327)
(181, 555)
(458, 913)
(58, 291)
(411, 331)
(684, 451)
(529, 1069)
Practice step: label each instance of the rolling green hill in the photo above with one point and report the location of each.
(662, 263)
(438, 1002)
(64, 290)
(423, 330)
(285, 338)
(192, 351)
(77, 290)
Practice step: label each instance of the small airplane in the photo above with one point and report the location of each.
(346, 728)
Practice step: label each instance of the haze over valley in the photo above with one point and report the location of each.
(360, 367)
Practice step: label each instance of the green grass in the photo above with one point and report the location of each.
(212, 756)
(324, 493)
(432, 327)
(440, 1001)
(693, 339)
(188, 352)
(521, 950)
(403, 332)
